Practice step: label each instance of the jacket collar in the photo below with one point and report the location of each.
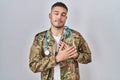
(50, 36)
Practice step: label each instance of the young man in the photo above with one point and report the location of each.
(56, 52)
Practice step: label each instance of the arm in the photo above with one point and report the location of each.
(38, 62)
(84, 52)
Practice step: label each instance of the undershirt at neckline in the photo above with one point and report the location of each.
(57, 67)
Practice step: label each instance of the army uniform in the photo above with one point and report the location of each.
(40, 62)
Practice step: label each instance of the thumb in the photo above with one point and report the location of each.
(61, 46)
(73, 43)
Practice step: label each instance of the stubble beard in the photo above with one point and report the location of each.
(58, 27)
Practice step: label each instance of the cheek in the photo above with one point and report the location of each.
(53, 18)
(64, 19)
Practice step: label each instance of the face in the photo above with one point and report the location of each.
(58, 16)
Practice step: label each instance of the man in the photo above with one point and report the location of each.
(56, 52)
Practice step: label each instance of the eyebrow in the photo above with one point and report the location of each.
(62, 12)
(55, 11)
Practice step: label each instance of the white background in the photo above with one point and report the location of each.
(97, 20)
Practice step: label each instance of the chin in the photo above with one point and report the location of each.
(58, 26)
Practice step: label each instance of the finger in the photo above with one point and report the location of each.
(61, 47)
(71, 56)
(73, 42)
(71, 49)
(60, 43)
(65, 45)
(72, 53)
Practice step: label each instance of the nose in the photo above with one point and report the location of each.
(59, 16)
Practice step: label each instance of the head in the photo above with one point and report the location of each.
(58, 14)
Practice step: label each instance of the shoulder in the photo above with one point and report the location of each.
(40, 35)
(77, 36)
(75, 33)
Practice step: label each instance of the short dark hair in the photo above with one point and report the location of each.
(61, 4)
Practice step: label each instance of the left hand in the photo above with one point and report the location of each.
(73, 53)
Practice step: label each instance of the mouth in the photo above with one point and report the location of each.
(58, 21)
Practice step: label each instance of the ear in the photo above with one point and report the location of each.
(49, 15)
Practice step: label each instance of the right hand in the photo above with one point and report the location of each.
(65, 52)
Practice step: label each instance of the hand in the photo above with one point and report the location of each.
(66, 52)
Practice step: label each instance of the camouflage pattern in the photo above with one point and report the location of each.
(39, 62)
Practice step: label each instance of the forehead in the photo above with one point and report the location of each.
(58, 9)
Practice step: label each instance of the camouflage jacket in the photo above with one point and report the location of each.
(39, 62)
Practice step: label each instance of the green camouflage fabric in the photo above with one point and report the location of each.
(69, 69)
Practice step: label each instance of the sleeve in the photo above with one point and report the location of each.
(83, 51)
(38, 62)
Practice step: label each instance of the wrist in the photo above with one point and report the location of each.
(56, 59)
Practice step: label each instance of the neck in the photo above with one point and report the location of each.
(57, 31)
